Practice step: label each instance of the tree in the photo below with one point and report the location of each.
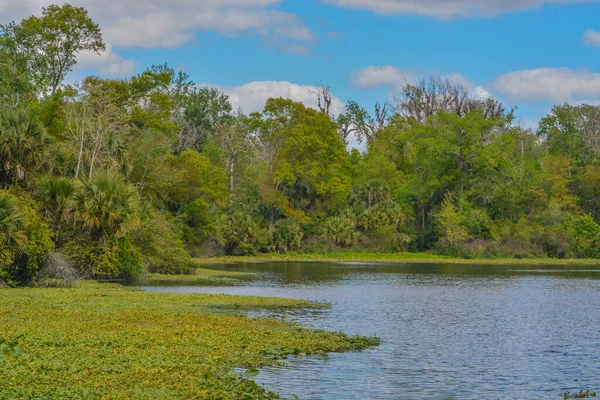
(25, 238)
(305, 160)
(324, 98)
(357, 120)
(202, 111)
(16, 74)
(425, 99)
(105, 206)
(573, 131)
(237, 147)
(13, 238)
(22, 143)
(450, 224)
(55, 39)
(96, 125)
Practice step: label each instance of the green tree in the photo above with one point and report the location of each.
(105, 206)
(55, 39)
(22, 144)
(450, 223)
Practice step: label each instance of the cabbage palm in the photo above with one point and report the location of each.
(21, 143)
(105, 205)
(55, 193)
(12, 234)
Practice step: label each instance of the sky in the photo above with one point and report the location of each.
(531, 54)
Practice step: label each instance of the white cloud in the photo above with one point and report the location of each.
(551, 84)
(253, 96)
(108, 63)
(374, 77)
(591, 38)
(446, 9)
(173, 23)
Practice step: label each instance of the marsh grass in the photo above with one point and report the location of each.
(406, 257)
(105, 341)
(200, 276)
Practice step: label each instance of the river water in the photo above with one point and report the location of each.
(447, 331)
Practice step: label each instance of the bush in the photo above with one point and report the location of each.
(586, 238)
(130, 260)
(161, 246)
(242, 235)
(340, 230)
(57, 271)
(25, 238)
(286, 236)
(198, 225)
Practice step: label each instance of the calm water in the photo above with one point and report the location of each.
(447, 331)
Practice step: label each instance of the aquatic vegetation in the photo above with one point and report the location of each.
(198, 277)
(392, 257)
(581, 395)
(111, 342)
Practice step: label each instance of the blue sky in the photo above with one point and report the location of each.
(530, 53)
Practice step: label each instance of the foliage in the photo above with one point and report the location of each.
(25, 238)
(107, 341)
(22, 140)
(242, 235)
(442, 171)
(286, 236)
(450, 222)
(104, 205)
(579, 395)
(161, 246)
(340, 230)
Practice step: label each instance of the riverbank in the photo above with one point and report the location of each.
(425, 258)
(109, 341)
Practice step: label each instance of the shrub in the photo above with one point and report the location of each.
(25, 238)
(57, 271)
(586, 240)
(340, 230)
(130, 260)
(161, 246)
(242, 235)
(286, 236)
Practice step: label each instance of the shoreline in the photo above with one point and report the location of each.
(414, 258)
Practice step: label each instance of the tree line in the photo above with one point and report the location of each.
(143, 174)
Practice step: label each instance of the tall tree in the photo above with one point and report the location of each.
(55, 39)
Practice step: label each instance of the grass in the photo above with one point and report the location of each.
(105, 341)
(425, 258)
(201, 276)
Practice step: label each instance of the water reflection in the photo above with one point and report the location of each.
(448, 331)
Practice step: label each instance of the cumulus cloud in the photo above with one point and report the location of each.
(253, 96)
(374, 77)
(551, 84)
(446, 9)
(173, 23)
(159, 23)
(107, 63)
(591, 38)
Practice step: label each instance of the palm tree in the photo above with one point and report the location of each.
(105, 205)
(55, 193)
(22, 140)
(13, 238)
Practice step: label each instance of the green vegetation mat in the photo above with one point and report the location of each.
(392, 257)
(105, 341)
(198, 277)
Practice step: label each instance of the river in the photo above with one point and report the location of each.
(447, 331)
